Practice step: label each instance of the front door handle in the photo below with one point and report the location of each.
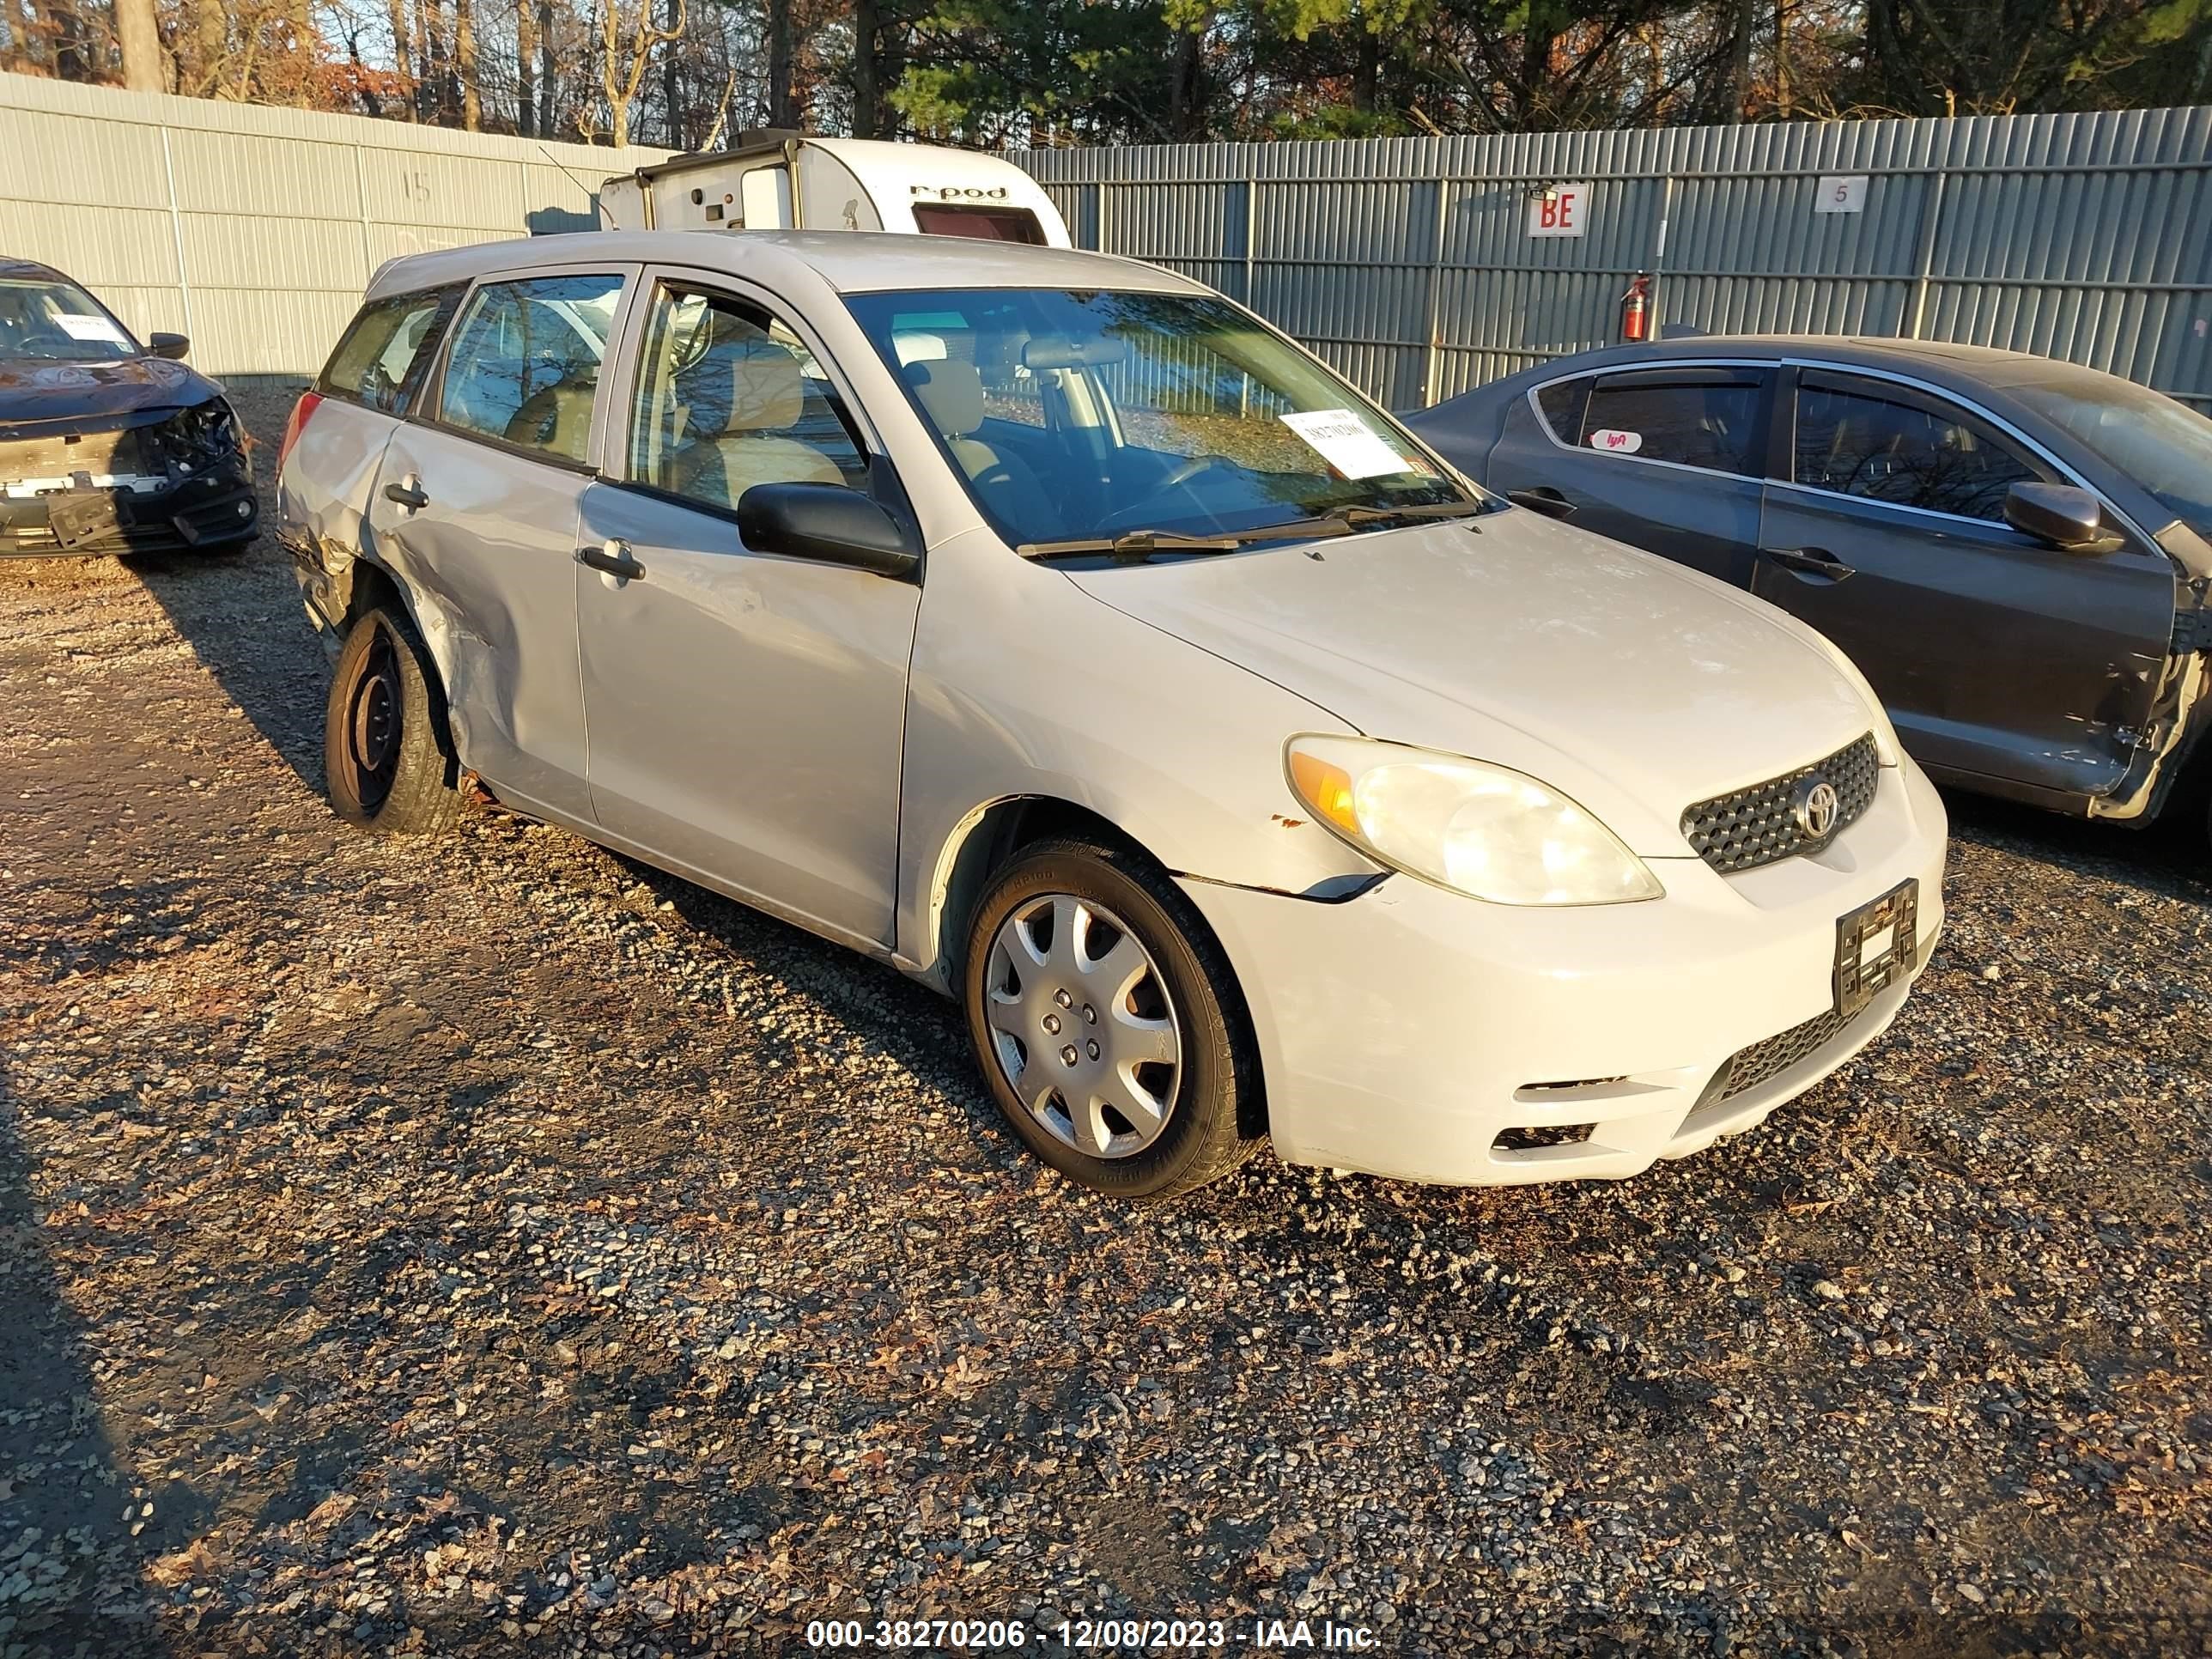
(613, 557)
(1544, 499)
(406, 494)
(1815, 562)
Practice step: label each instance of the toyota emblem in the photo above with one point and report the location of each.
(1816, 807)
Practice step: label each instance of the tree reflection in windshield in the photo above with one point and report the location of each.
(1074, 415)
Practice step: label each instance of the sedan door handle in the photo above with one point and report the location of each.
(613, 557)
(1816, 561)
(406, 495)
(1544, 500)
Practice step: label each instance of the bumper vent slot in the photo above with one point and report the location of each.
(1768, 1059)
(1747, 828)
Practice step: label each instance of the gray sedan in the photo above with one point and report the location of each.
(2014, 550)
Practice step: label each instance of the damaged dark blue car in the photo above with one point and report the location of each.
(107, 445)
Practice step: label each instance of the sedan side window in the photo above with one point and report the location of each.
(524, 365)
(1561, 404)
(1861, 437)
(728, 397)
(1705, 418)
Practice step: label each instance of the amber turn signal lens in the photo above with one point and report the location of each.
(1325, 788)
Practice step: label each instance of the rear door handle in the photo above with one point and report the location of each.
(1544, 500)
(406, 495)
(1809, 561)
(613, 557)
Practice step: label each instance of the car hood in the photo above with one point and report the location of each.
(1634, 685)
(34, 392)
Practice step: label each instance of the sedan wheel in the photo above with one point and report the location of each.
(385, 756)
(1107, 1023)
(1081, 1025)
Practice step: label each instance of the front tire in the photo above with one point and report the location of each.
(1107, 1023)
(386, 755)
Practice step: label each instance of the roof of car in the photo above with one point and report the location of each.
(851, 261)
(1870, 351)
(11, 266)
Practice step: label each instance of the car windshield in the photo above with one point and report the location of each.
(1075, 415)
(2164, 446)
(43, 318)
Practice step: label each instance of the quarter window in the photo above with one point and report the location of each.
(1562, 405)
(382, 358)
(728, 397)
(1900, 448)
(525, 364)
(1709, 420)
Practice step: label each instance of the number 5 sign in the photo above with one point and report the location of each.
(1559, 210)
(1841, 193)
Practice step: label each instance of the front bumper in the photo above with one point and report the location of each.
(209, 509)
(1404, 1031)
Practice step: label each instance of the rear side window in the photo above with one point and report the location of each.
(1709, 420)
(992, 224)
(1562, 405)
(1860, 437)
(524, 365)
(383, 354)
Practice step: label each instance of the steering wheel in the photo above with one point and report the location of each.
(1191, 468)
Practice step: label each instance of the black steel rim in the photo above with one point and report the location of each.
(372, 723)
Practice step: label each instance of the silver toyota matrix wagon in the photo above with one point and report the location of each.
(1050, 628)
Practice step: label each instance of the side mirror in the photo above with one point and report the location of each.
(828, 523)
(2068, 518)
(168, 345)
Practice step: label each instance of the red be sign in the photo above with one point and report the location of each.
(1559, 210)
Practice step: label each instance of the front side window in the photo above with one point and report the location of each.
(1860, 437)
(382, 355)
(524, 362)
(728, 397)
(2163, 445)
(1083, 413)
(46, 320)
(1694, 418)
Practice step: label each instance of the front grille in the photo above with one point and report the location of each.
(1750, 827)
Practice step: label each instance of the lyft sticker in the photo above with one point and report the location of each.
(1619, 443)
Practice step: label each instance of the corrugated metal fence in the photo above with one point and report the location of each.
(254, 229)
(1409, 265)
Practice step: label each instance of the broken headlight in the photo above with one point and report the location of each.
(199, 437)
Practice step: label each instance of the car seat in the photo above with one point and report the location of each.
(952, 394)
(744, 391)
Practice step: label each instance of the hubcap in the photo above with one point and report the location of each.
(1062, 969)
(372, 723)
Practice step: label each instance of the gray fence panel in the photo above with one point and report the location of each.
(254, 229)
(1406, 262)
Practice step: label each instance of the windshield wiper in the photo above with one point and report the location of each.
(1139, 544)
(1136, 544)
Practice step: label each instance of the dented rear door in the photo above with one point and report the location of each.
(476, 510)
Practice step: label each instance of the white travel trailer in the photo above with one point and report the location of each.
(776, 180)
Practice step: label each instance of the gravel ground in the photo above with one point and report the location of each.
(491, 1246)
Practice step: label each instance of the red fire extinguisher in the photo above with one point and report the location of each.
(1635, 307)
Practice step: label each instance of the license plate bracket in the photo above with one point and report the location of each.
(1861, 976)
(84, 516)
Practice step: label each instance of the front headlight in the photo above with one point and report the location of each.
(1476, 829)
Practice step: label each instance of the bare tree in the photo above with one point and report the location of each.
(627, 35)
(139, 34)
(465, 60)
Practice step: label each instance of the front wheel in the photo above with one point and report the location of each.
(386, 757)
(1107, 1023)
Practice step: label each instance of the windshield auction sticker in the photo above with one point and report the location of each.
(89, 328)
(1346, 442)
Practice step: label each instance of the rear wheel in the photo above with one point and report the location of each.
(1107, 1024)
(386, 757)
